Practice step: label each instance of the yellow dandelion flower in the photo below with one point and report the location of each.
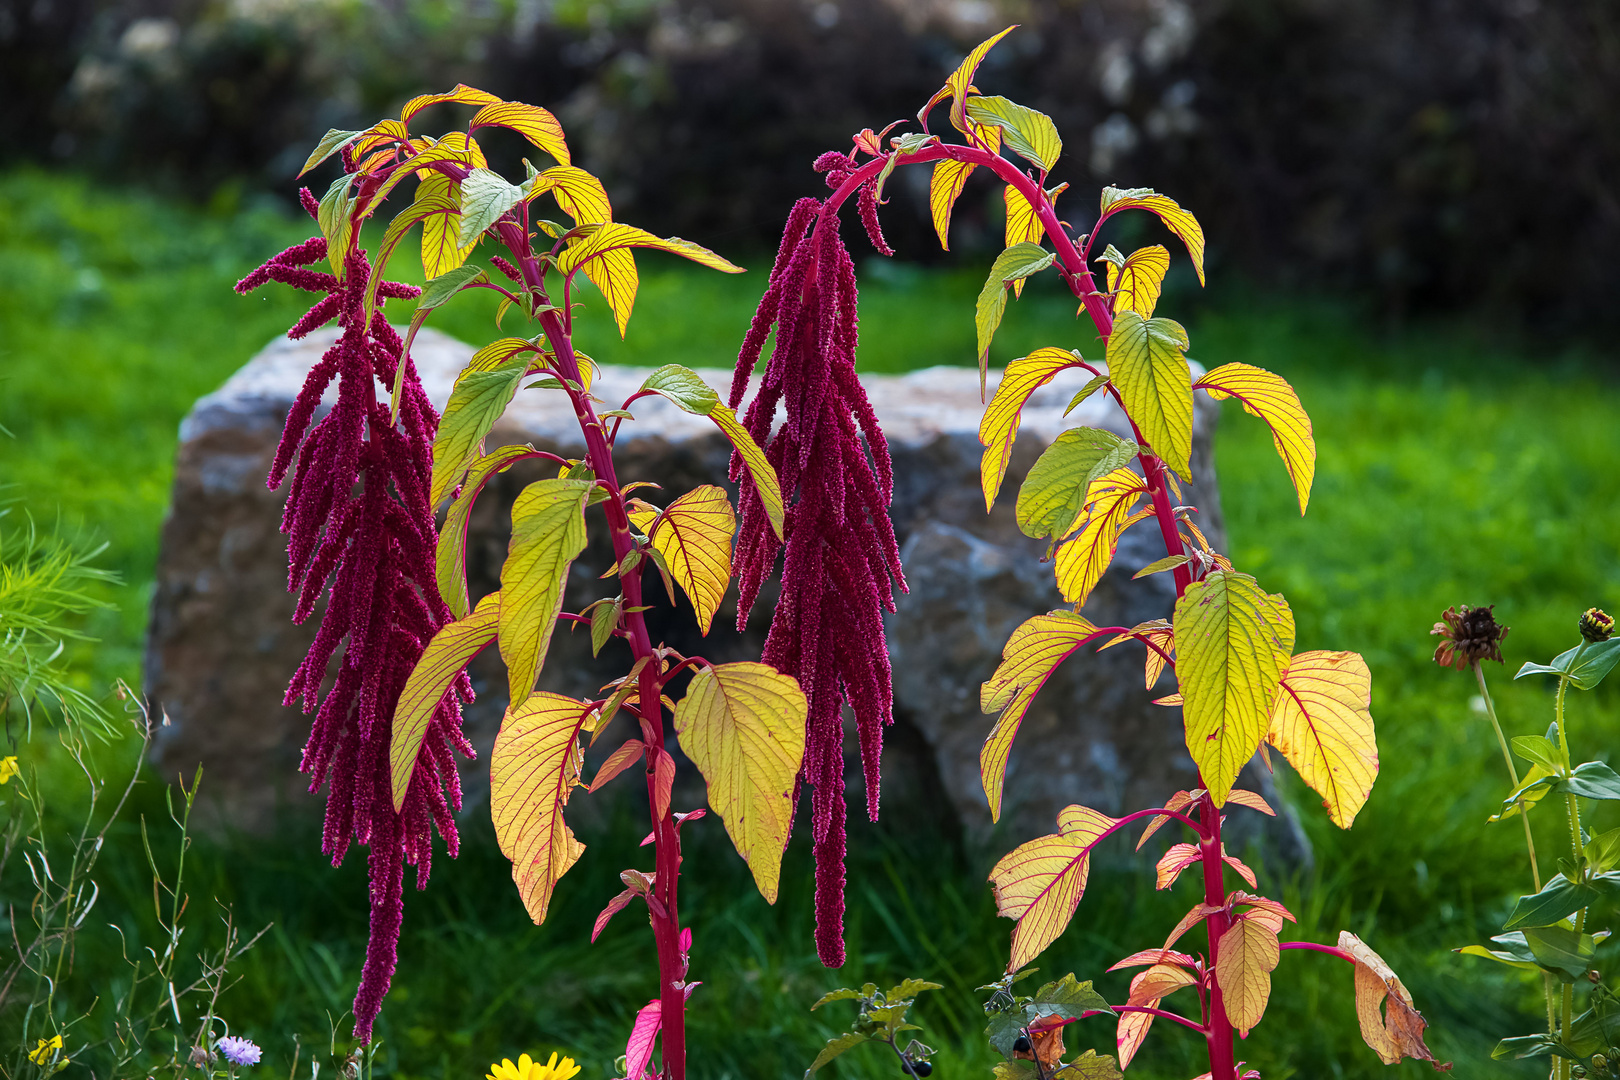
(529, 1069)
(8, 768)
(47, 1048)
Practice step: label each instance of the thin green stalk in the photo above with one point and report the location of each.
(1572, 806)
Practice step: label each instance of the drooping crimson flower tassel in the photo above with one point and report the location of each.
(360, 530)
(839, 557)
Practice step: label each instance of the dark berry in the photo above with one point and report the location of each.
(916, 1068)
(1021, 1045)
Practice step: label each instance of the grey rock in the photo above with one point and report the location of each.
(222, 643)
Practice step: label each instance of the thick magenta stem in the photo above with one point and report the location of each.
(1331, 950)
(672, 962)
(1222, 1063)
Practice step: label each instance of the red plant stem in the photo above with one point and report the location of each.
(1221, 1060)
(1161, 1013)
(1331, 950)
(666, 925)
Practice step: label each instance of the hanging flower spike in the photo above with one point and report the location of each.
(840, 561)
(360, 530)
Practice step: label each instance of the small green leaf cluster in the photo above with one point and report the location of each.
(881, 1018)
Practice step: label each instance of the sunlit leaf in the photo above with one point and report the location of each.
(694, 536)
(684, 387)
(944, 187)
(1232, 645)
(1040, 883)
(532, 122)
(485, 197)
(759, 468)
(956, 87)
(1245, 958)
(333, 141)
(1081, 561)
(1023, 226)
(477, 400)
(1148, 365)
(1176, 803)
(742, 724)
(1030, 656)
(532, 771)
(1269, 397)
(604, 621)
(1014, 264)
(1173, 862)
(1322, 723)
(427, 205)
(1389, 1023)
(446, 657)
(462, 94)
(1052, 495)
(1177, 220)
(1029, 133)
(337, 225)
(1136, 282)
(638, 1050)
(548, 533)
(998, 430)
(442, 250)
(1148, 988)
(450, 557)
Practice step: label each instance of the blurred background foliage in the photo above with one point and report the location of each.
(1426, 153)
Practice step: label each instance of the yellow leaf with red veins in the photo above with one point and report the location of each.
(1250, 799)
(743, 726)
(1040, 883)
(1322, 723)
(944, 187)
(1177, 802)
(1136, 281)
(446, 656)
(462, 95)
(1148, 988)
(1245, 958)
(1389, 1023)
(537, 125)
(579, 194)
(1232, 641)
(1177, 220)
(998, 430)
(548, 533)
(1081, 562)
(1028, 659)
(1023, 225)
(442, 250)
(1272, 399)
(533, 769)
(1148, 365)
(694, 536)
(1153, 632)
(957, 86)
(606, 258)
(1174, 861)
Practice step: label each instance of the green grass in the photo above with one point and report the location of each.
(1454, 468)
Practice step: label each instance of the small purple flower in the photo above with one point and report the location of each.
(239, 1051)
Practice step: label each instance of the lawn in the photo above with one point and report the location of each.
(1456, 466)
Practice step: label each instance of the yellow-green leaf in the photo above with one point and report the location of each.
(1157, 632)
(998, 430)
(1014, 264)
(1389, 1022)
(1136, 282)
(1177, 220)
(1148, 365)
(335, 221)
(743, 726)
(1054, 492)
(462, 94)
(1245, 958)
(442, 250)
(684, 387)
(1028, 659)
(450, 558)
(428, 204)
(618, 235)
(759, 468)
(446, 656)
(1023, 226)
(1081, 562)
(1322, 723)
(1040, 883)
(579, 194)
(1269, 397)
(485, 197)
(1232, 644)
(961, 80)
(1031, 134)
(694, 536)
(548, 533)
(944, 187)
(476, 402)
(532, 771)
(381, 134)
(334, 140)
(532, 122)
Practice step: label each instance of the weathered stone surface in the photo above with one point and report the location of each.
(222, 643)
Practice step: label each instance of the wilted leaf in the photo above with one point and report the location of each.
(548, 533)
(743, 726)
(1389, 1023)
(1232, 645)
(1322, 724)
(532, 770)
(1148, 365)
(1269, 397)
(1081, 562)
(1246, 956)
(1177, 220)
(694, 536)
(1052, 495)
(998, 429)
(1030, 656)
(446, 656)
(1040, 883)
